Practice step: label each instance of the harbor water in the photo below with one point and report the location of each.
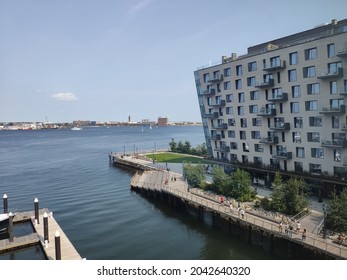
(68, 171)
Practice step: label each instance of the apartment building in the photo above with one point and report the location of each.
(281, 107)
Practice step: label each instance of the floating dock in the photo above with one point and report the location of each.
(173, 189)
(66, 250)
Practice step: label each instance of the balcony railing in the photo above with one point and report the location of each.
(224, 149)
(332, 109)
(220, 126)
(216, 79)
(280, 126)
(211, 115)
(334, 143)
(264, 84)
(283, 155)
(221, 103)
(343, 91)
(269, 140)
(216, 137)
(275, 66)
(342, 53)
(278, 97)
(266, 112)
(331, 73)
(210, 91)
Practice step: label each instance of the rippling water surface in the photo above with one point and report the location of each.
(68, 171)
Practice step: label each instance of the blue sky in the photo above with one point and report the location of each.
(107, 59)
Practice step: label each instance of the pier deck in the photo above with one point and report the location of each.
(68, 251)
(174, 184)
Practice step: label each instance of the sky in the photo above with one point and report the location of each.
(106, 60)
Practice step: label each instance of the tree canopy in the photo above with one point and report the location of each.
(336, 213)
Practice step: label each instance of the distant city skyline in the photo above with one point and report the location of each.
(69, 60)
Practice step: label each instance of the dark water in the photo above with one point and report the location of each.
(68, 171)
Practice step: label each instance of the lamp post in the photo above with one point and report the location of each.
(325, 208)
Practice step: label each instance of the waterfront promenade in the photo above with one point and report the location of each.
(173, 183)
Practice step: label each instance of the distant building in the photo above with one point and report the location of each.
(281, 107)
(81, 123)
(163, 121)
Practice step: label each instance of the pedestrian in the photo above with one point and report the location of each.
(290, 231)
(242, 213)
(298, 226)
(239, 211)
(222, 199)
(280, 226)
(304, 235)
(231, 207)
(286, 228)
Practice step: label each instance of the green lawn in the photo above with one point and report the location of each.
(176, 158)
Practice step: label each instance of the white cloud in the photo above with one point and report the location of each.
(139, 7)
(64, 96)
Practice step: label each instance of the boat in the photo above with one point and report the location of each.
(4, 222)
(76, 128)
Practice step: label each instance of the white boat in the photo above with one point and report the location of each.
(4, 221)
(76, 128)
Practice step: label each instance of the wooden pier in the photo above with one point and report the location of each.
(163, 184)
(68, 251)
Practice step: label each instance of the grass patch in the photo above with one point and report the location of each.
(177, 158)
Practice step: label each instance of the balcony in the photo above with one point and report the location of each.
(223, 149)
(265, 84)
(342, 53)
(344, 161)
(331, 73)
(343, 91)
(334, 143)
(266, 112)
(220, 126)
(210, 91)
(221, 103)
(332, 110)
(343, 126)
(275, 66)
(283, 155)
(280, 126)
(216, 137)
(211, 115)
(269, 140)
(278, 97)
(216, 79)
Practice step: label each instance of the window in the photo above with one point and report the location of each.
(336, 103)
(227, 85)
(229, 110)
(296, 137)
(315, 121)
(252, 66)
(216, 75)
(317, 152)
(331, 50)
(231, 122)
(239, 70)
(309, 72)
(241, 97)
(244, 159)
(254, 95)
(311, 54)
(243, 122)
(251, 81)
(227, 72)
(313, 89)
(335, 123)
(315, 168)
(298, 122)
(258, 148)
(238, 84)
(233, 145)
(245, 147)
(231, 133)
(333, 87)
(256, 121)
(255, 134)
(313, 137)
(293, 58)
(240, 110)
(298, 166)
(253, 109)
(294, 107)
(334, 67)
(300, 152)
(243, 135)
(337, 155)
(296, 91)
(311, 105)
(292, 75)
(206, 77)
(230, 97)
(275, 61)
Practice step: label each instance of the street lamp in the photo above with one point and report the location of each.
(325, 208)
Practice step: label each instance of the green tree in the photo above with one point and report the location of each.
(336, 213)
(277, 195)
(240, 187)
(173, 145)
(221, 180)
(194, 174)
(294, 198)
